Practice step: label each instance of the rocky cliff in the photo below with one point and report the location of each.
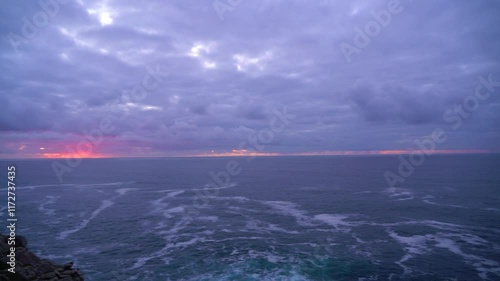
(29, 267)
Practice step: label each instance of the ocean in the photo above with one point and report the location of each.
(267, 218)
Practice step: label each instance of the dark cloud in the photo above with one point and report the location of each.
(396, 103)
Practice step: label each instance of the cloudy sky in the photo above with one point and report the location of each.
(174, 78)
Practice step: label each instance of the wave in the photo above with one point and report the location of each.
(2, 209)
(423, 244)
(336, 221)
(264, 227)
(413, 245)
(164, 251)
(400, 194)
(104, 205)
(125, 190)
(427, 199)
(215, 187)
(51, 200)
(32, 187)
(290, 209)
(491, 209)
(159, 205)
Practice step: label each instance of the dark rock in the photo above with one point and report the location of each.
(30, 267)
(49, 275)
(68, 272)
(47, 266)
(68, 265)
(21, 242)
(27, 258)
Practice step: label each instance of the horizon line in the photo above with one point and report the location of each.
(245, 153)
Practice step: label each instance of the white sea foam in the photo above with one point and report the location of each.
(427, 199)
(334, 220)
(274, 227)
(400, 194)
(174, 193)
(270, 257)
(159, 205)
(177, 227)
(483, 266)
(2, 209)
(31, 187)
(208, 218)
(492, 209)
(168, 213)
(290, 209)
(104, 205)
(106, 184)
(303, 219)
(241, 238)
(165, 250)
(431, 223)
(413, 245)
(230, 198)
(359, 240)
(264, 227)
(364, 192)
(74, 185)
(416, 244)
(161, 191)
(125, 190)
(451, 226)
(50, 200)
(421, 244)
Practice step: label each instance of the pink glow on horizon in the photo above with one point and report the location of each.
(244, 152)
(48, 150)
(73, 155)
(236, 152)
(390, 152)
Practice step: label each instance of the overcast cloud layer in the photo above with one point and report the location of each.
(229, 67)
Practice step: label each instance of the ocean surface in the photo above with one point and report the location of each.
(280, 218)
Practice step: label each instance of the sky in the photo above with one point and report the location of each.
(236, 77)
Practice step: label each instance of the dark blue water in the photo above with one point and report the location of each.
(281, 218)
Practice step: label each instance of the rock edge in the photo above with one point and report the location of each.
(30, 267)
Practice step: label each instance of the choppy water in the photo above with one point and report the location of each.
(282, 218)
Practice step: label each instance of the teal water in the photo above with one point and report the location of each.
(281, 218)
